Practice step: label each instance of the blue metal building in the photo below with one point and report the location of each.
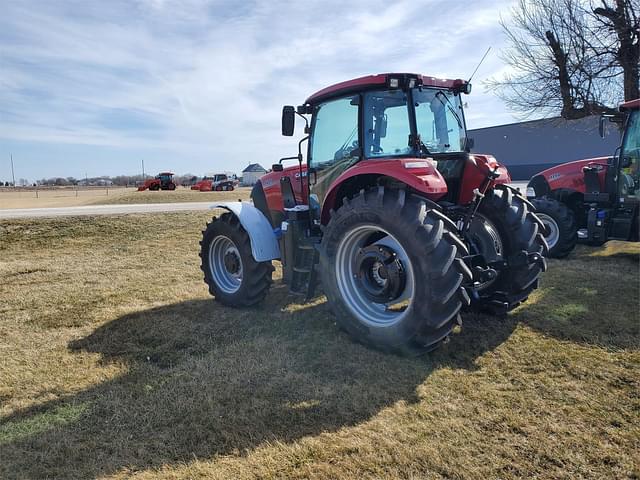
(527, 148)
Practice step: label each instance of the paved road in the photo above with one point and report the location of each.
(102, 210)
(123, 209)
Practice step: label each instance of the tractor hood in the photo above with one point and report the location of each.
(570, 168)
(567, 176)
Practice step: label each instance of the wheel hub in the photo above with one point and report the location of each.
(231, 262)
(552, 234)
(225, 264)
(380, 273)
(484, 239)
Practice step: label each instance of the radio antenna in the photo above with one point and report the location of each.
(481, 60)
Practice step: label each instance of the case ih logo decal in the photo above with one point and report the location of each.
(554, 176)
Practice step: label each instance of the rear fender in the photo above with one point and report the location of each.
(264, 242)
(418, 174)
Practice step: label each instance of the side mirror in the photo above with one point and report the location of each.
(288, 120)
(469, 144)
(625, 162)
(277, 167)
(601, 126)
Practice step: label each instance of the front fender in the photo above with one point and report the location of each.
(264, 243)
(538, 187)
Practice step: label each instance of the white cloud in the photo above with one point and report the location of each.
(204, 81)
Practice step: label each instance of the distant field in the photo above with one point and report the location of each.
(69, 197)
(57, 197)
(116, 363)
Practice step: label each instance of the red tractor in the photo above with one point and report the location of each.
(400, 223)
(162, 181)
(220, 182)
(593, 200)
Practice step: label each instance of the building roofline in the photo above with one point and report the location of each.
(537, 120)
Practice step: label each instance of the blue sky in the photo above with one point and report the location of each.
(93, 87)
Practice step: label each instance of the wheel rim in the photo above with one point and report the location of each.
(225, 264)
(552, 229)
(485, 240)
(371, 265)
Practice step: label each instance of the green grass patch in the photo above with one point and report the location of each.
(39, 423)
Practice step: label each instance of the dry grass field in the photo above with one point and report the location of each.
(58, 197)
(116, 363)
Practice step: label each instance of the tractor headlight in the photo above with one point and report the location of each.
(417, 164)
(394, 83)
(531, 193)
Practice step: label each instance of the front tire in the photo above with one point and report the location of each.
(391, 272)
(230, 271)
(519, 232)
(562, 228)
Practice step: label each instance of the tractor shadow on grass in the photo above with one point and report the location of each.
(204, 380)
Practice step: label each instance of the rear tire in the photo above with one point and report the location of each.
(519, 231)
(230, 271)
(411, 229)
(562, 234)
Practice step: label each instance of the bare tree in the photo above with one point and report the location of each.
(619, 21)
(568, 57)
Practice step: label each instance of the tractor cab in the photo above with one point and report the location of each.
(612, 192)
(165, 179)
(623, 182)
(628, 159)
(392, 125)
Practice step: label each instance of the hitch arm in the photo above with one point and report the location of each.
(478, 195)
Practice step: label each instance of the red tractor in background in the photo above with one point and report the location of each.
(220, 182)
(400, 223)
(593, 200)
(162, 181)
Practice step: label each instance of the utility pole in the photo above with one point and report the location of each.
(13, 175)
(143, 169)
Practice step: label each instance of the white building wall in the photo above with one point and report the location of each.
(250, 178)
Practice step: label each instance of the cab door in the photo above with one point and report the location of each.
(333, 145)
(629, 161)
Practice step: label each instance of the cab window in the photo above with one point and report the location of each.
(335, 132)
(630, 157)
(386, 124)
